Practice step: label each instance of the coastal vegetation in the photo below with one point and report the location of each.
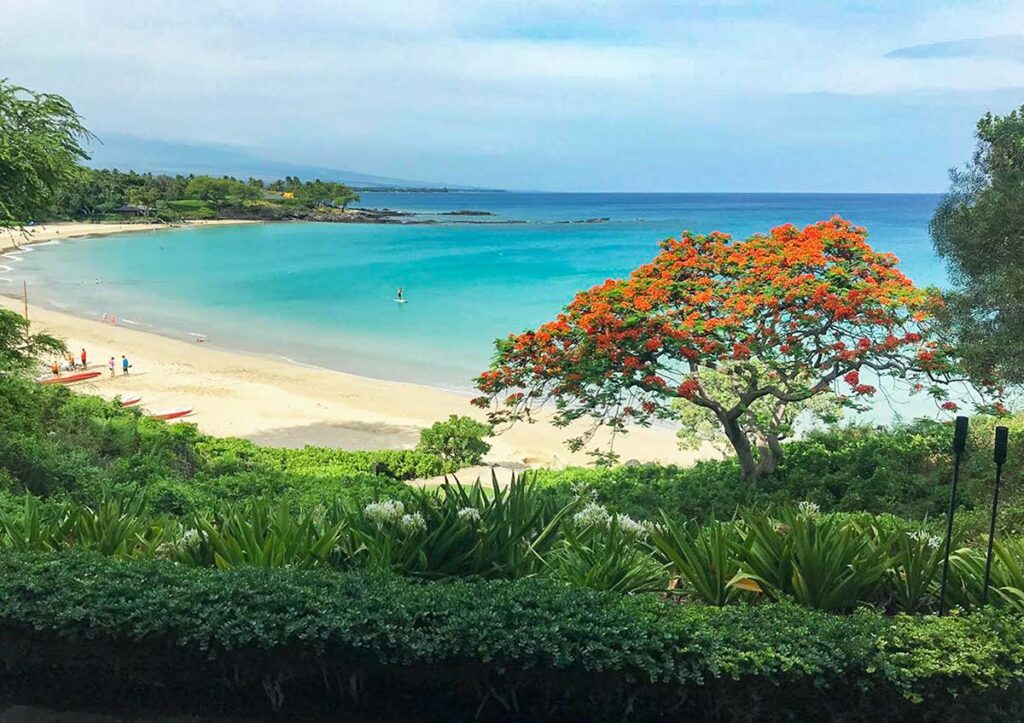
(41, 139)
(653, 579)
(796, 578)
(459, 441)
(978, 229)
(748, 333)
(42, 178)
(103, 194)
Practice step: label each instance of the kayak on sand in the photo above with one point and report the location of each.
(172, 414)
(70, 378)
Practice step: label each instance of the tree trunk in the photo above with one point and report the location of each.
(755, 463)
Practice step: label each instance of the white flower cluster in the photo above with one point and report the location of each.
(386, 512)
(628, 525)
(596, 515)
(190, 538)
(810, 509)
(412, 523)
(583, 491)
(592, 515)
(469, 515)
(933, 541)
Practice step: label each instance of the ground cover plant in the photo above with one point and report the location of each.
(324, 643)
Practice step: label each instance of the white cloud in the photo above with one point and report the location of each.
(423, 78)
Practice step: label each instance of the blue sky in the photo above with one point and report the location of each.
(730, 95)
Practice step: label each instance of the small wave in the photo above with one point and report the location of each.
(4, 278)
(307, 365)
(5, 268)
(133, 323)
(59, 305)
(54, 242)
(13, 255)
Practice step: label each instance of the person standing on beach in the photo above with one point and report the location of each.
(110, 366)
(55, 368)
(85, 363)
(124, 365)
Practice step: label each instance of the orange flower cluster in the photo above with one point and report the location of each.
(816, 300)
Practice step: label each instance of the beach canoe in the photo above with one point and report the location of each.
(172, 413)
(70, 378)
(129, 401)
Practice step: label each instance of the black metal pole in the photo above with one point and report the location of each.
(959, 445)
(1002, 436)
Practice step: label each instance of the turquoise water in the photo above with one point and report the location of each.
(323, 294)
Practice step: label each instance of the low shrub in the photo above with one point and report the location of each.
(459, 441)
(904, 470)
(54, 443)
(315, 642)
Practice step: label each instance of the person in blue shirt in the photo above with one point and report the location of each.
(124, 365)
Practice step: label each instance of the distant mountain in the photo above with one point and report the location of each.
(126, 152)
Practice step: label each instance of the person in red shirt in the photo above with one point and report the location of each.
(84, 363)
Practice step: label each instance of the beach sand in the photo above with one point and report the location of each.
(10, 238)
(281, 404)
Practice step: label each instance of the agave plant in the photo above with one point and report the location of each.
(27, 531)
(912, 578)
(459, 530)
(824, 562)
(519, 526)
(117, 526)
(608, 557)
(1007, 578)
(702, 559)
(262, 534)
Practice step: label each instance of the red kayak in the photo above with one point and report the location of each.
(172, 414)
(129, 401)
(70, 378)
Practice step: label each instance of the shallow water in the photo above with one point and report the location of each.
(323, 294)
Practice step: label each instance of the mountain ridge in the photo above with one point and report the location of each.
(150, 155)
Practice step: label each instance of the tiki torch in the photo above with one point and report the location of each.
(1002, 437)
(959, 445)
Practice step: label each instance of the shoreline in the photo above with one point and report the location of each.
(12, 240)
(278, 403)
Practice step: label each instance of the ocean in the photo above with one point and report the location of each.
(323, 294)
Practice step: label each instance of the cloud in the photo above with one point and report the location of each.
(502, 91)
(1005, 47)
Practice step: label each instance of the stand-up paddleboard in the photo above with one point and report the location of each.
(70, 378)
(172, 413)
(130, 401)
(401, 301)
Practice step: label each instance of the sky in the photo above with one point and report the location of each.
(649, 95)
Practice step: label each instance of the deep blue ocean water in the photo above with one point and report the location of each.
(323, 294)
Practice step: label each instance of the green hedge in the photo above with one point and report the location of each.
(98, 629)
(904, 470)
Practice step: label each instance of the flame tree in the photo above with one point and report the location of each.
(784, 317)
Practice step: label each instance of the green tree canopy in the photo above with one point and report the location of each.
(40, 148)
(221, 191)
(978, 229)
(20, 349)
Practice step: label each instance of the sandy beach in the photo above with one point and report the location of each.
(277, 403)
(11, 238)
